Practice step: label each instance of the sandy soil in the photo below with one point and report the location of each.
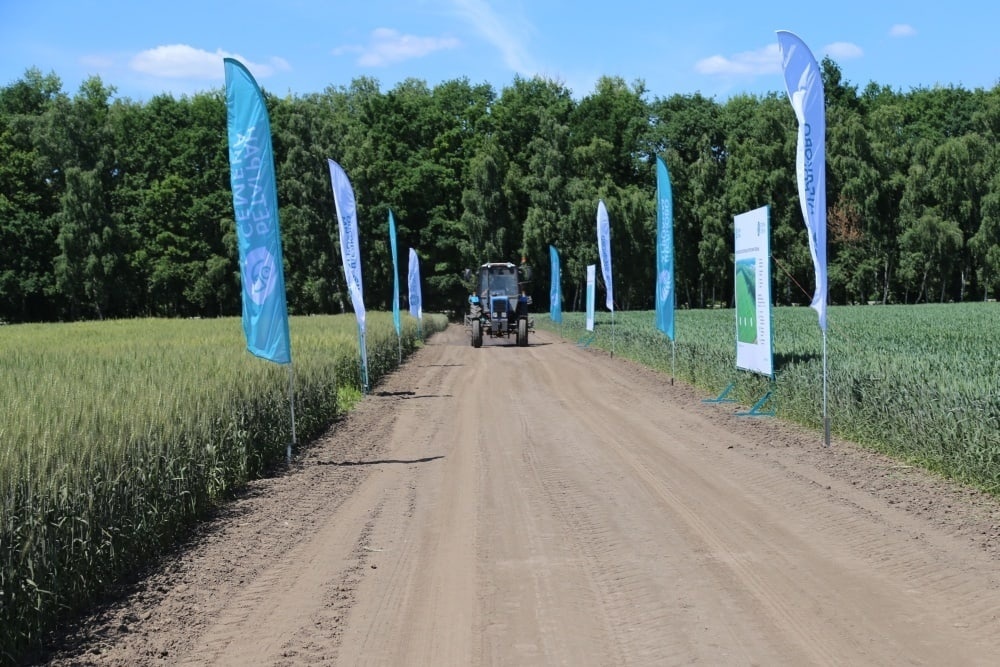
(554, 506)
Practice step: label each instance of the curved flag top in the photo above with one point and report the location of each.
(395, 275)
(416, 308)
(555, 291)
(664, 251)
(805, 91)
(255, 204)
(347, 225)
(604, 250)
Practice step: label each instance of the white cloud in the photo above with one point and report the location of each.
(902, 30)
(765, 60)
(843, 51)
(180, 61)
(388, 46)
(496, 30)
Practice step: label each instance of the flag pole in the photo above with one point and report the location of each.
(364, 359)
(291, 404)
(673, 361)
(826, 418)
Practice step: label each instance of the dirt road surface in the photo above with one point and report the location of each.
(555, 506)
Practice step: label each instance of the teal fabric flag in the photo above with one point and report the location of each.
(555, 292)
(395, 275)
(255, 204)
(664, 251)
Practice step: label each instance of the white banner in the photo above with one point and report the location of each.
(347, 225)
(754, 349)
(591, 280)
(604, 250)
(416, 307)
(805, 91)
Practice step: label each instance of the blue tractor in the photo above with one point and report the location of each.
(499, 306)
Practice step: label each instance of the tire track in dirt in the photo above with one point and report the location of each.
(927, 573)
(728, 530)
(424, 588)
(339, 559)
(628, 555)
(537, 565)
(284, 596)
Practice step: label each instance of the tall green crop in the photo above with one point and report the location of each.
(116, 435)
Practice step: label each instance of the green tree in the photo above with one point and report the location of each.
(958, 184)
(546, 180)
(985, 244)
(761, 135)
(27, 207)
(927, 247)
(687, 132)
(85, 266)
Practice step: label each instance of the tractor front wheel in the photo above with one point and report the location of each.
(477, 333)
(522, 333)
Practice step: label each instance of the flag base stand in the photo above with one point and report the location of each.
(586, 341)
(758, 408)
(723, 397)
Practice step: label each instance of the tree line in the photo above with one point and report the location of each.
(114, 208)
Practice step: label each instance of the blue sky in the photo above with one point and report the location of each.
(722, 48)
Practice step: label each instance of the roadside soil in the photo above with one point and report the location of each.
(551, 505)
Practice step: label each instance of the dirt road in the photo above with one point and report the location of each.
(553, 506)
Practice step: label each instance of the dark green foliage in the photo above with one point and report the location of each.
(111, 208)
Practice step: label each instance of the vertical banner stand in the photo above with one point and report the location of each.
(291, 404)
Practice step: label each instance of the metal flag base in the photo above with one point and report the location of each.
(722, 398)
(757, 409)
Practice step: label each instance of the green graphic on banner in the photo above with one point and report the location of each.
(746, 301)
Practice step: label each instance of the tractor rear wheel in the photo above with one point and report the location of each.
(477, 333)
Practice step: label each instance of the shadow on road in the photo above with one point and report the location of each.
(408, 395)
(512, 346)
(426, 459)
